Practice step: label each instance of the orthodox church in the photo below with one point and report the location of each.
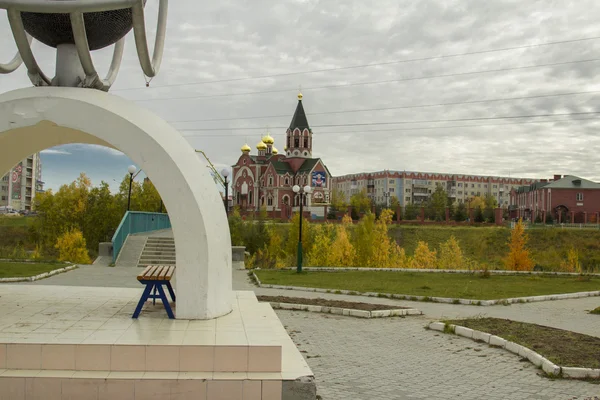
(267, 178)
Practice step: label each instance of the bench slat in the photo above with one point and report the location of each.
(141, 276)
(169, 273)
(157, 272)
(163, 273)
(147, 272)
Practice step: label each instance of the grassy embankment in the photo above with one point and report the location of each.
(487, 246)
(464, 286)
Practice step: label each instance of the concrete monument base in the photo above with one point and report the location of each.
(59, 342)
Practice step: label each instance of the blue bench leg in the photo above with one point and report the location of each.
(163, 297)
(154, 298)
(143, 299)
(171, 292)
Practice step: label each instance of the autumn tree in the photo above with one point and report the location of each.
(361, 202)
(518, 258)
(450, 255)
(490, 205)
(342, 253)
(394, 202)
(71, 247)
(438, 202)
(317, 253)
(102, 217)
(338, 200)
(424, 258)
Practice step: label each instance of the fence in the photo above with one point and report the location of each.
(529, 225)
(137, 222)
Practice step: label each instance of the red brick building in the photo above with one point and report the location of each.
(266, 179)
(567, 199)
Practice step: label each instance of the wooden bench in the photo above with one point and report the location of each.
(154, 277)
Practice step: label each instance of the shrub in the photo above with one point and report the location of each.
(450, 256)
(71, 247)
(572, 264)
(518, 258)
(341, 253)
(424, 258)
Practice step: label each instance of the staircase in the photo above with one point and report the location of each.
(158, 251)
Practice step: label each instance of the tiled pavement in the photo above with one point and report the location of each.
(355, 359)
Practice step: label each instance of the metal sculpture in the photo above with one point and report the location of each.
(77, 27)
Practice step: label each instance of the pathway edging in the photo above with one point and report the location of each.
(474, 302)
(40, 276)
(535, 358)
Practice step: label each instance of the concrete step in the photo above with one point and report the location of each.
(157, 261)
(158, 253)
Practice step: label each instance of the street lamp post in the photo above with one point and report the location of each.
(131, 171)
(386, 195)
(303, 193)
(225, 174)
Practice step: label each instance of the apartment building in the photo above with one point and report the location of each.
(417, 187)
(19, 186)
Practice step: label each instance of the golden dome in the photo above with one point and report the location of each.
(274, 150)
(267, 139)
(245, 148)
(261, 145)
(299, 95)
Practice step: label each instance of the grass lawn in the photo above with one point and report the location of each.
(465, 286)
(18, 270)
(564, 348)
(595, 311)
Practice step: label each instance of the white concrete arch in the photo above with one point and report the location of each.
(34, 119)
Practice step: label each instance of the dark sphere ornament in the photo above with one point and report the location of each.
(102, 28)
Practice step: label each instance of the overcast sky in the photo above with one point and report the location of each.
(229, 39)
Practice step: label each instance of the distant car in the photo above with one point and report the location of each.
(12, 214)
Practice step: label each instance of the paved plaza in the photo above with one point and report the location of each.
(396, 358)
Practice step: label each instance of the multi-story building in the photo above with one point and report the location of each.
(267, 179)
(565, 199)
(19, 186)
(417, 187)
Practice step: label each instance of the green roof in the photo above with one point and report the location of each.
(282, 167)
(573, 182)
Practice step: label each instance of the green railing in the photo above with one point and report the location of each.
(137, 222)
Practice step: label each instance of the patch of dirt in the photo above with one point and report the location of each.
(564, 348)
(328, 303)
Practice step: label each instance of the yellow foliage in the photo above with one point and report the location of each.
(518, 258)
(424, 258)
(398, 258)
(341, 252)
(317, 254)
(71, 247)
(451, 256)
(572, 264)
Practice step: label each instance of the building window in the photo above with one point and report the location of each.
(391, 181)
(407, 198)
(3, 197)
(287, 181)
(250, 197)
(270, 201)
(407, 190)
(288, 142)
(270, 181)
(579, 196)
(305, 142)
(472, 185)
(296, 142)
(391, 190)
(460, 185)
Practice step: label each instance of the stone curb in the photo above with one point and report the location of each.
(448, 300)
(347, 311)
(38, 277)
(448, 271)
(535, 358)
